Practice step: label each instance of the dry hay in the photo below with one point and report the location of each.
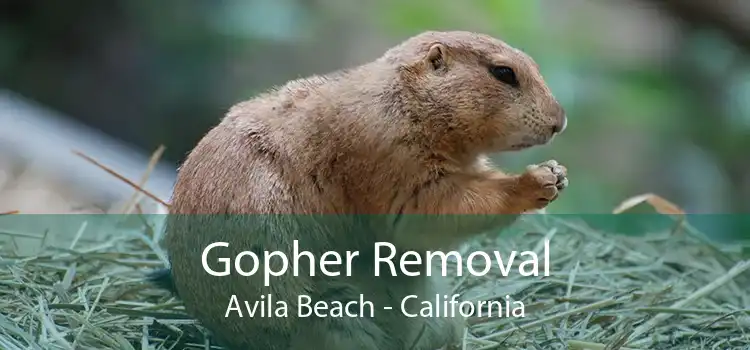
(664, 290)
(668, 290)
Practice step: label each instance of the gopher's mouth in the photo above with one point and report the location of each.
(521, 146)
(528, 142)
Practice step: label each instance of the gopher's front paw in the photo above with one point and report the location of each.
(542, 183)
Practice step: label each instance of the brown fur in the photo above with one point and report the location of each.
(404, 134)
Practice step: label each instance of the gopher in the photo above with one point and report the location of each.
(364, 149)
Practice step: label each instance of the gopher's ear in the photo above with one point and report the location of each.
(437, 56)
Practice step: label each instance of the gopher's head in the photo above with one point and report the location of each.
(476, 92)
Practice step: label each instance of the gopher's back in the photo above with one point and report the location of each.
(298, 149)
(253, 182)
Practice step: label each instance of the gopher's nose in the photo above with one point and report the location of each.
(561, 122)
(561, 125)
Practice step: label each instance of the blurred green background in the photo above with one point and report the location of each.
(657, 92)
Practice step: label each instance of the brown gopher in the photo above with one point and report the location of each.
(407, 133)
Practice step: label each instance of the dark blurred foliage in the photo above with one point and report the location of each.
(145, 72)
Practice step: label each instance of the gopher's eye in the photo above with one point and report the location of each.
(504, 74)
